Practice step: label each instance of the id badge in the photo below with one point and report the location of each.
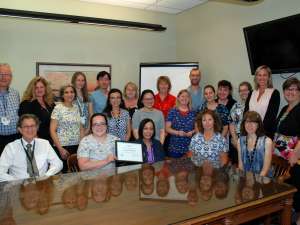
(82, 120)
(5, 120)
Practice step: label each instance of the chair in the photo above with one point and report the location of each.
(281, 168)
(72, 164)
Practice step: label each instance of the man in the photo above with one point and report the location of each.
(28, 156)
(99, 97)
(195, 90)
(9, 107)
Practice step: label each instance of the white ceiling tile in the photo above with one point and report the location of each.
(163, 9)
(179, 4)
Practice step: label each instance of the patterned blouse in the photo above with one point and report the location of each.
(236, 114)
(178, 146)
(83, 110)
(117, 126)
(207, 150)
(68, 129)
(92, 149)
(221, 111)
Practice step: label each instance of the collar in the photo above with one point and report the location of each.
(25, 142)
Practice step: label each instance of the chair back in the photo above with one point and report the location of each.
(281, 168)
(72, 164)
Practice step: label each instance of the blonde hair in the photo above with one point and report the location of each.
(132, 85)
(165, 79)
(180, 93)
(29, 94)
(260, 68)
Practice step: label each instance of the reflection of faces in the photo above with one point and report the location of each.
(116, 185)
(223, 92)
(68, 95)
(205, 183)
(184, 99)
(82, 201)
(28, 129)
(206, 195)
(192, 197)
(39, 90)
(292, 94)
(181, 181)
(43, 203)
(209, 94)
(130, 92)
(207, 168)
(195, 77)
(131, 181)
(147, 189)
(115, 99)
(69, 198)
(79, 82)
(147, 176)
(5, 76)
(251, 127)
(163, 87)
(247, 194)
(207, 122)
(162, 187)
(99, 126)
(99, 190)
(30, 196)
(104, 82)
(148, 100)
(221, 189)
(244, 92)
(262, 78)
(148, 131)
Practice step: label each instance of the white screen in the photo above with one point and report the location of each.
(177, 72)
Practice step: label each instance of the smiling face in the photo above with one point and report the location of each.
(28, 129)
(148, 100)
(115, 99)
(262, 78)
(39, 90)
(99, 126)
(184, 99)
(292, 94)
(223, 92)
(148, 131)
(244, 92)
(104, 82)
(209, 94)
(163, 87)
(68, 95)
(80, 82)
(251, 127)
(195, 77)
(207, 122)
(5, 76)
(130, 92)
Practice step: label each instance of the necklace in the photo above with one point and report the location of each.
(250, 154)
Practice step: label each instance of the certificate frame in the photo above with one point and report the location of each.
(122, 151)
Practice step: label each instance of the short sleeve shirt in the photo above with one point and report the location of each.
(207, 149)
(164, 105)
(118, 126)
(68, 129)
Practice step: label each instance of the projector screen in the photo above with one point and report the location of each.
(177, 72)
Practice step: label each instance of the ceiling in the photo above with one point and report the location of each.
(167, 6)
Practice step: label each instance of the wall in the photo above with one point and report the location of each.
(25, 42)
(212, 34)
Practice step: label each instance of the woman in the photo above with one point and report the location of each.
(287, 136)
(152, 148)
(147, 111)
(131, 96)
(264, 99)
(38, 100)
(254, 147)
(119, 123)
(180, 124)
(220, 109)
(97, 150)
(164, 101)
(209, 144)
(65, 126)
(224, 94)
(82, 100)
(236, 115)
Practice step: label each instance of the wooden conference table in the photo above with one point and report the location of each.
(169, 192)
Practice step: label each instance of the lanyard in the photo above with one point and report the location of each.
(27, 155)
(4, 103)
(80, 106)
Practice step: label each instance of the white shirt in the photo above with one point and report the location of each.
(262, 104)
(13, 161)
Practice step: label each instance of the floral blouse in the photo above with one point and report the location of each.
(118, 126)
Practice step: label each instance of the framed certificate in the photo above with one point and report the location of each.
(129, 151)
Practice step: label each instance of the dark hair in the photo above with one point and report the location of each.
(143, 124)
(93, 116)
(84, 90)
(246, 83)
(140, 102)
(28, 116)
(108, 107)
(252, 116)
(216, 118)
(63, 88)
(289, 82)
(103, 74)
(209, 86)
(225, 83)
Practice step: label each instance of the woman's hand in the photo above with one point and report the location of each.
(110, 158)
(64, 153)
(293, 158)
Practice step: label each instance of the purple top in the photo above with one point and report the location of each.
(150, 155)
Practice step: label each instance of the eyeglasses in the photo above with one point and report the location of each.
(292, 89)
(5, 74)
(29, 127)
(98, 124)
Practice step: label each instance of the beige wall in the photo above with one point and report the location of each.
(212, 34)
(24, 42)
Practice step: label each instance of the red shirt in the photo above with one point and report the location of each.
(164, 105)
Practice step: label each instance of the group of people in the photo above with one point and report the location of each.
(206, 125)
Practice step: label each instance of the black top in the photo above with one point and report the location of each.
(44, 115)
(158, 151)
(290, 126)
(271, 113)
(230, 103)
